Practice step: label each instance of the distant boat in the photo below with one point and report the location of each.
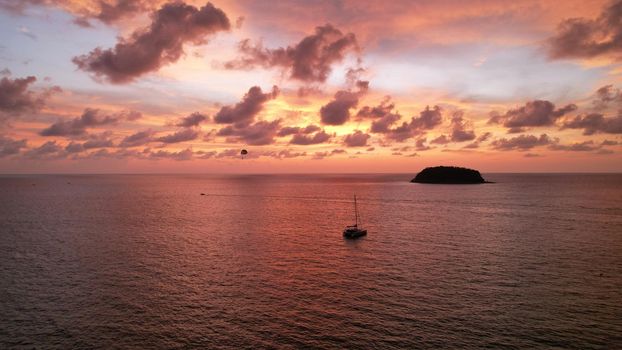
(354, 231)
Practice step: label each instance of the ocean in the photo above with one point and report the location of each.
(259, 261)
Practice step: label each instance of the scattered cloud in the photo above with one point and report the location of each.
(461, 130)
(310, 60)
(173, 25)
(337, 111)
(48, 150)
(532, 114)
(587, 38)
(9, 147)
(595, 123)
(138, 139)
(91, 117)
(310, 139)
(183, 135)
(193, 119)
(17, 98)
(257, 134)
(356, 139)
(522, 142)
(244, 112)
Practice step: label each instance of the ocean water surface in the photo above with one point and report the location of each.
(259, 261)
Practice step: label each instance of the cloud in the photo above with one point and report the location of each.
(310, 60)
(162, 43)
(337, 111)
(181, 155)
(586, 146)
(106, 11)
(325, 154)
(610, 143)
(522, 142)
(482, 138)
(257, 134)
(428, 119)
(356, 139)
(47, 150)
(459, 129)
(179, 136)
(244, 112)
(9, 147)
(441, 140)
(532, 114)
(193, 119)
(138, 139)
(291, 130)
(587, 38)
(16, 98)
(606, 95)
(595, 123)
(303, 138)
(90, 118)
(110, 12)
(382, 115)
(421, 146)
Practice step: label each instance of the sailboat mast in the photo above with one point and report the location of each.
(356, 212)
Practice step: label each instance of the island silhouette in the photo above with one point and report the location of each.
(449, 175)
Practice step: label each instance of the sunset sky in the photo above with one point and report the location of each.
(117, 86)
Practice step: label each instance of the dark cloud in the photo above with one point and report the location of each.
(586, 38)
(595, 123)
(460, 131)
(93, 141)
(193, 119)
(441, 140)
(112, 11)
(48, 150)
(532, 114)
(428, 119)
(138, 139)
(244, 112)
(356, 139)
(9, 147)
(610, 143)
(337, 111)
(522, 142)
(607, 95)
(162, 43)
(303, 138)
(259, 133)
(16, 98)
(106, 11)
(382, 115)
(325, 154)
(186, 154)
(179, 136)
(482, 138)
(586, 146)
(89, 118)
(310, 60)
(421, 146)
(291, 130)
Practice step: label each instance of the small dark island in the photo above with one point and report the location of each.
(449, 175)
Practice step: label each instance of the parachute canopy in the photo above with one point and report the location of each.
(243, 152)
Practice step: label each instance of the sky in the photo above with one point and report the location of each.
(119, 86)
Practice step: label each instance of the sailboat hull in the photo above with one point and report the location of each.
(354, 233)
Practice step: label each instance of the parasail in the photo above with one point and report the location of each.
(243, 152)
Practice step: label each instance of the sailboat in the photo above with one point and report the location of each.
(354, 231)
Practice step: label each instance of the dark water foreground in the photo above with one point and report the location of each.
(533, 261)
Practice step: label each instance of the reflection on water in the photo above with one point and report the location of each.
(260, 261)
